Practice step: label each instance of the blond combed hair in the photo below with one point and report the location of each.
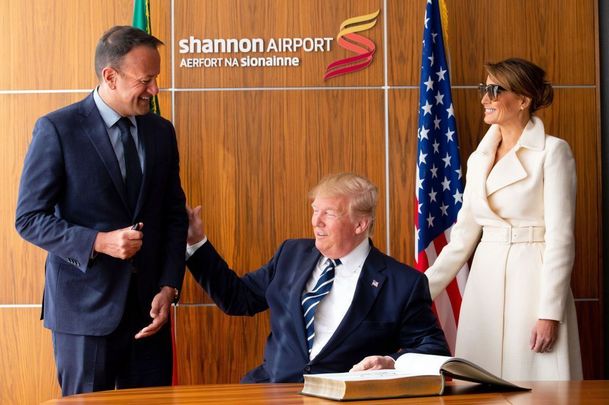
(361, 193)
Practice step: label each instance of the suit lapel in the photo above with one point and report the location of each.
(146, 137)
(93, 126)
(368, 287)
(306, 268)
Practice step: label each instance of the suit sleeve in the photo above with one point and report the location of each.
(420, 332)
(233, 294)
(41, 187)
(559, 213)
(176, 223)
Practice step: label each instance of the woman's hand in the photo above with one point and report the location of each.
(544, 335)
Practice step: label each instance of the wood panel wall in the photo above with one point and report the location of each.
(254, 141)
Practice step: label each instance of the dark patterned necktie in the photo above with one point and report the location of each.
(311, 299)
(133, 170)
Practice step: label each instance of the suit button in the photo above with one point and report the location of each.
(307, 369)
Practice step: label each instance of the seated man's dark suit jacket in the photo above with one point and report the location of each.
(71, 188)
(390, 313)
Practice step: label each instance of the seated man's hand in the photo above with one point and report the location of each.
(374, 363)
(196, 230)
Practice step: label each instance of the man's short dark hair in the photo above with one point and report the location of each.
(119, 41)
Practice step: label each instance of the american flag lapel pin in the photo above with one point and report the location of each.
(375, 283)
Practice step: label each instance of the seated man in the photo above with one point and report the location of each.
(334, 299)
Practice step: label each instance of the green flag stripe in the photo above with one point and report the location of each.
(141, 15)
(141, 20)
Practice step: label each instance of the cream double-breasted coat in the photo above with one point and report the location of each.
(518, 216)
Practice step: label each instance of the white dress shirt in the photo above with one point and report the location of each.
(191, 249)
(333, 307)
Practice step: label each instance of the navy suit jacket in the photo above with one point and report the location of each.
(71, 188)
(390, 313)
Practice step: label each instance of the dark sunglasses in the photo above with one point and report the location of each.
(491, 90)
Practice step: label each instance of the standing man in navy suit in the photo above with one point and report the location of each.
(100, 191)
(376, 308)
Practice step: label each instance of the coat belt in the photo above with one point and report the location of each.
(513, 234)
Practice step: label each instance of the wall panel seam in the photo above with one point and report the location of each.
(174, 90)
(386, 100)
(173, 70)
(9, 306)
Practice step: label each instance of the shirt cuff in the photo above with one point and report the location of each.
(191, 249)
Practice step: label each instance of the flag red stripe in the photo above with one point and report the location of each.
(453, 288)
(455, 298)
(422, 263)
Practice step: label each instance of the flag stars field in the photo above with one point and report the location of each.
(458, 197)
(429, 84)
(449, 135)
(441, 74)
(423, 133)
(450, 111)
(446, 160)
(422, 157)
(445, 184)
(430, 220)
(436, 148)
(437, 121)
(426, 108)
(439, 98)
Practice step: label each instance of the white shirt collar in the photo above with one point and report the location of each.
(109, 116)
(354, 259)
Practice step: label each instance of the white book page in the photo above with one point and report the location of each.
(420, 364)
(363, 375)
(411, 364)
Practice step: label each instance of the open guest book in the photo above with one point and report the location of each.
(414, 375)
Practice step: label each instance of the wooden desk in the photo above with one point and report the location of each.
(547, 392)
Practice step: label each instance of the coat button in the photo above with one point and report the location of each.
(307, 369)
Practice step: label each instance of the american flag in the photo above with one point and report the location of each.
(439, 183)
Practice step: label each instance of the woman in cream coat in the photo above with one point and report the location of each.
(518, 316)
